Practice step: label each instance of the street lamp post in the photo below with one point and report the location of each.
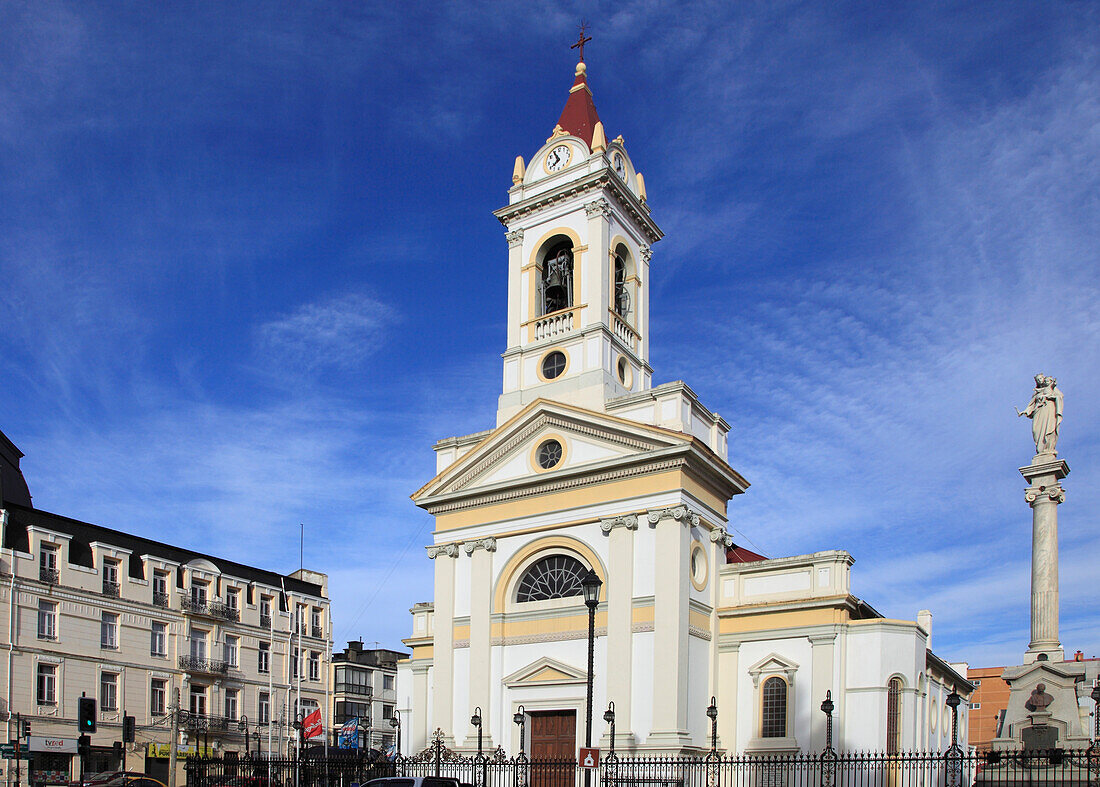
(475, 720)
(520, 719)
(590, 587)
(609, 717)
(395, 722)
(242, 726)
(712, 714)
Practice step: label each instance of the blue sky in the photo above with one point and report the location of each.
(250, 274)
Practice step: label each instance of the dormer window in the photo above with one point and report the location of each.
(198, 592)
(110, 578)
(556, 284)
(47, 564)
(233, 598)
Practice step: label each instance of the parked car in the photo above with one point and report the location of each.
(245, 781)
(132, 780)
(415, 781)
(108, 776)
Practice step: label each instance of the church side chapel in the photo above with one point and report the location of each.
(594, 470)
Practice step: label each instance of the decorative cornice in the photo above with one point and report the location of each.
(719, 535)
(695, 631)
(447, 550)
(680, 513)
(514, 238)
(488, 544)
(559, 636)
(629, 521)
(1056, 493)
(599, 207)
(534, 490)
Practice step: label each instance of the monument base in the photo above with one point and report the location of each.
(1043, 710)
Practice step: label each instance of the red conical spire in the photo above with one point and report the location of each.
(579, 116)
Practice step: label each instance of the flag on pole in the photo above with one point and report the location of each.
(312, 726)
(349, 734)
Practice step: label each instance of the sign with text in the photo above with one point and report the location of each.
(588, 758)
(57, 745)
(7, 751)
(164, 750)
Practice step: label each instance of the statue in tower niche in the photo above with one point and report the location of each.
(1045, 412)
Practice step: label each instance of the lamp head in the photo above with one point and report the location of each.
(476, 718)
(953, 699)
(590, 587)
(518, 717)
(827, 706)
(609, 714)
(712, 709)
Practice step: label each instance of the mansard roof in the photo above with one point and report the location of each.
(84, 534)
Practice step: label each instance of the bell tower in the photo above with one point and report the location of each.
(579, 236)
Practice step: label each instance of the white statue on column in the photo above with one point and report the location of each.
(1045, 412)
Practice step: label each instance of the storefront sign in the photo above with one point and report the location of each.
(55, 745)
(164, 751)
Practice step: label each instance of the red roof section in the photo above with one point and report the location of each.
(736, 554)
(579, 116)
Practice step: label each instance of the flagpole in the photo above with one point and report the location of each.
(270, 687)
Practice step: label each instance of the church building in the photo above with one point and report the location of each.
(592, 467)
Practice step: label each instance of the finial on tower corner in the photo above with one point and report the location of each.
(599, 139)
(519, 171)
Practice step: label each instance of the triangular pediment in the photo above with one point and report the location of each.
(507, 454)
(547, 672)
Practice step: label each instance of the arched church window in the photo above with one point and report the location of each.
(773, 710)
(622, 296)
(556, 576)
(556, 283)
(893, 716)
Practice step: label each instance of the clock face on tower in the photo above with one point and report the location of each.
(557, 158)
(620, 166)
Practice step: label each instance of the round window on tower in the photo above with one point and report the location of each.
(553, 364)
(548, 454)
(622, 368)
(698, 566)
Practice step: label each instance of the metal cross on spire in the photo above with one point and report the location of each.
(582, 40)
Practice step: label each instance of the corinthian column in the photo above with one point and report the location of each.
(1044, 494)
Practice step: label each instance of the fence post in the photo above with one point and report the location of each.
(828, 756)
(953, 758)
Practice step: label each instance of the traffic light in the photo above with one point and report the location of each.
(85, 714)
(128, 729)
(84, 745)
(26, 731)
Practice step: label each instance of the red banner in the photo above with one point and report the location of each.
(311, 725)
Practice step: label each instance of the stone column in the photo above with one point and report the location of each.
(418, 734)
(823, 647)
(1043, 494)
(670, 628)
(481, 665)
(620, 619)
(443, 674)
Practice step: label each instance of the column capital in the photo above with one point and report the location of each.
(599, 207)
(680, 513)
(1035, 494)
(514, 238)
(629, 521)
(719, 536)
(488, 544)
(647, 252)
(447, 550)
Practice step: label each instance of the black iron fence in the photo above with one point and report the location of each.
(1057, 768)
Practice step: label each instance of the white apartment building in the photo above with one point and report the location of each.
(364, 683)
(141, 626)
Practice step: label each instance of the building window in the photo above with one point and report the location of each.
(295, 656)
(231, 703)
(108, 691)
(557, 576)
(556, 283)
(108, 630)
(47, 684)
(387, 682)
(158, 639)
(110, 578)
(773, 712)
(158, 696)
(263, 661)
(198, 644)
(233, 598)
(198, 593)
(198, 700)
(975, 706)
(160, 588)
(353, 680)
(316, 630)
(976, 682)
(353, 710)
(554, 364)
(549, 454)
(47, 564)
(265, 611)
(387, 711)
(231, 648)
(264, 708)
(622, 297)
(893, 716)
(47, 619)
(314, 665)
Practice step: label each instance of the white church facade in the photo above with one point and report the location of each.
(592, 467)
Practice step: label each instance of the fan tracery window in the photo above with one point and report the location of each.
(556, 576)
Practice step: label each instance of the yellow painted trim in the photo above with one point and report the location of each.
(508, 574)
(781, 620)
(461, 632)
(644, 614)
(532, 459)
(563, 624)
(635, 486)
(701, 585)
(536, 252)
(547, 673)
(699, 620)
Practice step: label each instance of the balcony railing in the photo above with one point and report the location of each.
(210, 609)
(317, 632)
(160, 600)
(204, 665)
(111, 589)
(204, 723)
(51, 576)
(265, 621)
(354, 688)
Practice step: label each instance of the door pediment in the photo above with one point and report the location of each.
(545, 672)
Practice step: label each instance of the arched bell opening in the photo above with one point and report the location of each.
(556, 276)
